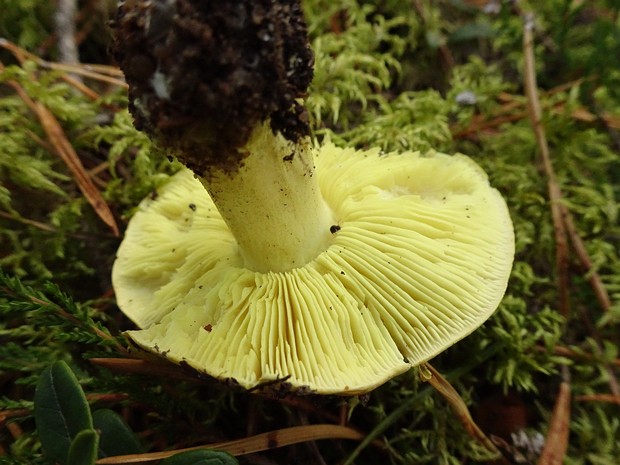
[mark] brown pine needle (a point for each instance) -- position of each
(606, 398)
(453, 398)
(67, 153)
(555, 194)
(595, 279)
(103, 73)
(573, 354)
(556, 442)
(249, 445)
(512, 109)
(9, 414)
(562, 219)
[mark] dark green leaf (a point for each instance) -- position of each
(60, 410)
(201, 457)
(115, 436)
(83, 449)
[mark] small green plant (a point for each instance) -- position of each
(72, 434)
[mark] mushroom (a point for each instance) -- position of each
(275, 259)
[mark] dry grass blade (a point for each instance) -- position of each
(458, 405)
(556, 442)
(257, 443)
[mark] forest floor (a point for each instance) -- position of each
(529, 90)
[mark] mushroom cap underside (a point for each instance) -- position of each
(420, 258)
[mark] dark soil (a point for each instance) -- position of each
(204, 73)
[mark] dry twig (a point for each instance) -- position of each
(595, 279)
(564, 227)
(102, 73)
(562, 219)
(556, 442)
(572, 354)
(555, 194)
(450, 394)
(607, 398)
(257, 443)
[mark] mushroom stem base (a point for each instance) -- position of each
(272, 203)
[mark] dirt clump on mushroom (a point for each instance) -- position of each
(202, 75)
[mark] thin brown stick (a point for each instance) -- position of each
(103, 73)
(572, 354)
(257, 443)
(562, 219)
(93, 70)
(555, 194)
(13, 413)
(460, 408)
(85, 72)
(26, 221)
(556, 442)
(80, 86)
(15, 429)
(606, 398)
(602, 296)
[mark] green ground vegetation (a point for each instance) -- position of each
(443, 75)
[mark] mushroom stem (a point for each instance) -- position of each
(272, 203)
(220, 85)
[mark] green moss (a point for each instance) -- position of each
(382, 79)
(354, 61)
